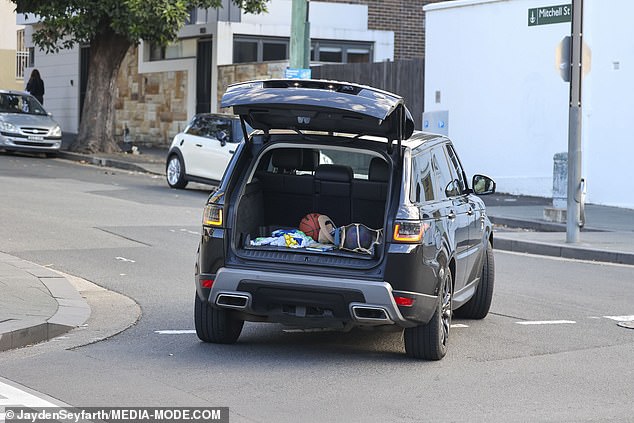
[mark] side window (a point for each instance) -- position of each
(457, 168)
(194, 127)
(423, 183)
(211, 127)
(448, 185)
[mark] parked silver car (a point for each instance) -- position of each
(26, 126)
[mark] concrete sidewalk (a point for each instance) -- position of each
(36, 304)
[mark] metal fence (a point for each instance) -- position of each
(403, 77)
(21, 62)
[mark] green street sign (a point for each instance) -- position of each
(550, 15)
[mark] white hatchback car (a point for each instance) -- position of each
(202, 151)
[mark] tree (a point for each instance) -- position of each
(110, 28)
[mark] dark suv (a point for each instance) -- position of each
(348, 152)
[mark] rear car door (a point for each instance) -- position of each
(458, 211)
(475, 213)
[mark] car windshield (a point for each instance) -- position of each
(20, 103)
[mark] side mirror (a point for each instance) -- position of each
(222, 137)
(482, 185)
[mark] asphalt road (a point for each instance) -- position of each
(547, 352)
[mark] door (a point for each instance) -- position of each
(473, 207)
(203, 76)
(84, 61)
(457, 212)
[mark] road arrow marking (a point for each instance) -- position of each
(125, 259)
(620, 318)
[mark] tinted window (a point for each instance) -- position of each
(423, 181)
(210, 127)
(457, 168)
(447, 184)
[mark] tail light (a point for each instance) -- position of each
(409, 231)
(212, 215)
(403, 301)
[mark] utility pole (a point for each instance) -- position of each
(576, 184)
(300, 36)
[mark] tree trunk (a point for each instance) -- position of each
(97, 129)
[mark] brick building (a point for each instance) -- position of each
(404, 17)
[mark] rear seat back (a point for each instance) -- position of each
(368, 197)
(333, 192)
(287, 196)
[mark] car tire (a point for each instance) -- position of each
(175, 172)
(429, 341)
(215, 325)
(478, 306)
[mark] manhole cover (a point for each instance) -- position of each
(627, 325)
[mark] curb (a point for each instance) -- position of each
(72, 309)
(569, 252)
(104, 162)
(536, 225)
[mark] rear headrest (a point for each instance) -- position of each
(379, 170)
(310, 159)
(287, 158)
(331, 172)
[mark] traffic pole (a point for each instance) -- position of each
(300, 33)
(576, 185)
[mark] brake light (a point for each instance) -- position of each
(212, 215)
(409, 231)
(207, 283)
(404, 301)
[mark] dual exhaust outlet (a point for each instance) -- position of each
(360, 313)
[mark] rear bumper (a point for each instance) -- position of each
(306, 300)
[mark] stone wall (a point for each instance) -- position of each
(229, 74)
(153, 106)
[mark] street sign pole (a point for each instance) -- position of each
(300, 32)
(576, 188)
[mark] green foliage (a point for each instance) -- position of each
(69, 22)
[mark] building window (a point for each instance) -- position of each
(179, 49)
(256, 49)
(253, 49)
(341, 51)
(197, 16)
(21, 56)
(245, 51)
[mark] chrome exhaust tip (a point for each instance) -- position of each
(238, 301)
(370, 314)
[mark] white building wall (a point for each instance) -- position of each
(507, 104)
(608, 102)
(60, 73)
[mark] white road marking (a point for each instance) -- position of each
(547, 322)
(175, 332)
(13, 396)
(125, 259)
(620, 318)
(459, 325)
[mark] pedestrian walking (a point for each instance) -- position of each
(35, 86)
